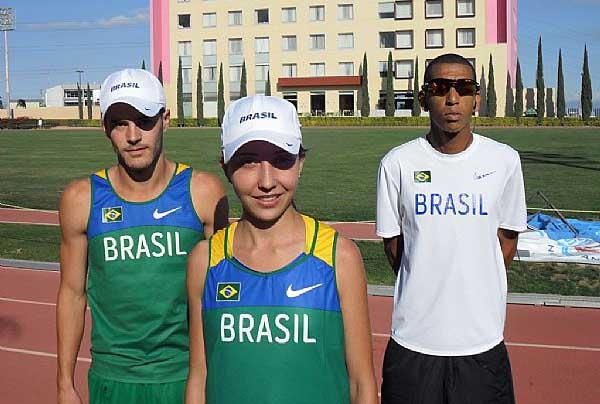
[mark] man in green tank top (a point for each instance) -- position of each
(126, 232)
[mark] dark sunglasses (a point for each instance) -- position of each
(440, 87)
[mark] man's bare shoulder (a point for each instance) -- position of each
(204, 181)
(75, 203)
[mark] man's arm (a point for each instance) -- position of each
(508, 244)
(210, 202)
(394, 248)
(72, 300)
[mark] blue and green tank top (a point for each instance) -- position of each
(274, 337)
(136, 280)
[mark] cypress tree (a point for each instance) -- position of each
(268, 84)
(80, 100)
(509, 109)
(160, 75)
(243, 81)
(89, 101)
(483, 111)
(491, 91)
(365, 108)
(518, 93)
(389, 88)
(540, 86)
(550, 103)
(586, 89)
(561, 110)
(416, 107)
(199, 98)
(143, 64)
(180, 113)
(220, 97)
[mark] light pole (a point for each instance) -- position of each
(7, 23)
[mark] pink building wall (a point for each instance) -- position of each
(159, 38)
(501, 27)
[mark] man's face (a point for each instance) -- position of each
(451, 113)
(136, 138)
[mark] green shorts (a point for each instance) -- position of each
(106, 391)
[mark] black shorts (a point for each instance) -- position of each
(414, 378)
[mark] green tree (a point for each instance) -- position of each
(220, 97)
(243, 81)
(268, 84)
(509, 108)
(550, 103)
(180, 113)
(80, 101)
(89, 102)
(390, 106)
(416, 107)
(143, 64)
(518, 93)
(586, 88)
(561, 110)
(160, 74)
(539, 84)
(483, 104)
(199, 98)
(365, 107)
(491, 91)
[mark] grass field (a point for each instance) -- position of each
(339, 179)
(40, 243)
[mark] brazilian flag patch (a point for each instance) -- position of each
(422, 176)
(112, 215)
(228, 291)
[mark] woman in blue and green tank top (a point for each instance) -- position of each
(278, 304)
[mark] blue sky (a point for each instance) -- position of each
(55, 38)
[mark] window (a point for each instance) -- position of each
(465, 8)
(289, 70)
(386, 10)
(261, 16)
(404, 69)
(235, 17)
(288, 14)
(183, 1)
(465, 37)
(317, 69)
(387, 39)
(346, 41)
(347, 68)
(210, 47)
(404, 10)
(261, 45)
(402, 100)
(434, 8)
(235, 46)
(404, 39)
(317, 41)
(184, 21)
(345, 12)
(209, 20)
(210, 73)
(184, 51)
(289, 43)
(261, 72)
(235, 73)
(291, 97)
(434, 38)
(316, 13)
(383, 68)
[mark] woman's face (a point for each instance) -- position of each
(265, 178)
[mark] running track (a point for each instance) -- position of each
(555, 351)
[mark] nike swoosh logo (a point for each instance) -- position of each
(159, 215)
(478, 177)
(295, 293)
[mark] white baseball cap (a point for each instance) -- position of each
(260, 117)
(136, 87)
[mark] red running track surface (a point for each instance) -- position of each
(555, 352)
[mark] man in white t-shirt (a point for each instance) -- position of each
(450, 206)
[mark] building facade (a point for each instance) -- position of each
(66, 95)
(312, 52)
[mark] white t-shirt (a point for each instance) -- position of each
(450, 296)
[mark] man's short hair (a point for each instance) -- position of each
(448, 58)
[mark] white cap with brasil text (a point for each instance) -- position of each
(136, 87)
(260, 117)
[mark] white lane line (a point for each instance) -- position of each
(31, 223)
(526, 345)
(29, 269)
(38, 353)
(8, 299)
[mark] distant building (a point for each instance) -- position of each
(65, 95)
